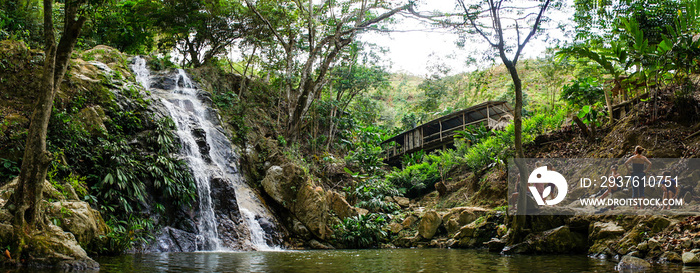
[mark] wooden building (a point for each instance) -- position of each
(439, 133)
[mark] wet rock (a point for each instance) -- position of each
(231, 228)
(429, 224)
(200, 137)
(632, 263)
(174, 240)
(690, 258)
(165, 81)
(495, 245)
(520, 248)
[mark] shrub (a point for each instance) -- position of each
(363, 231)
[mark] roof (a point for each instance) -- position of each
(474, 112)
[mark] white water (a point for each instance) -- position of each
(187, 111)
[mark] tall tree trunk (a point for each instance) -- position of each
(28, 195)
(518, 124)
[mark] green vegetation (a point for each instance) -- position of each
(362, 231)
(306, 91)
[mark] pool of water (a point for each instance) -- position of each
(380, 260)
(366, 260)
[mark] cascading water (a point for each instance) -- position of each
(209, 155)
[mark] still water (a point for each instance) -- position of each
(381, 260)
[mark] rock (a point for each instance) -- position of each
(460, 216)
(672, 256)
(55, 248)
(687, 198)
(292, 188)
(607, 230)
(686, 243)
(632, 263)
(402, 201)
(429, 224)
(409, 221)
(395, 227)
(441, 188)
(361, 211)
(495, 245)
(79, 218)
(690, 258)
(340, 206)
(658, 224)
(557, 240)
(174, 240)
(299, 229)
(653, 244)
(232, 231)
(318, 245)
(643, 246)
(94, 118)
(466, 231)
(520, 248)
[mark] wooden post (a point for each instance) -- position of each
(440, 121)
(464, 122)
(488, 117)
(422, 137)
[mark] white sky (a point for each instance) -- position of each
(416, 45)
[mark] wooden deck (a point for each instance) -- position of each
(439, 133)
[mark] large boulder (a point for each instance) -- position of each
(174, 240)
(56, 248)
(602, 235)
(429, 224)
(79, 218)
(461, 216)
(557, 240)
(632, 263)
(691, 257)
(94, 118)
(292, 188)
(339, 205)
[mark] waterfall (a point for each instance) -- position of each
(209, 154)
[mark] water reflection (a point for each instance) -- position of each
(385, 260)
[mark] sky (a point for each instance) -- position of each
(415, 46)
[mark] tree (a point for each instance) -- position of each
(25, 203)
(308, 39)
(507, 27)
(349, 81)
(200, 29)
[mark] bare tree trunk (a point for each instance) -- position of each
(518, 124)
(27, 198)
